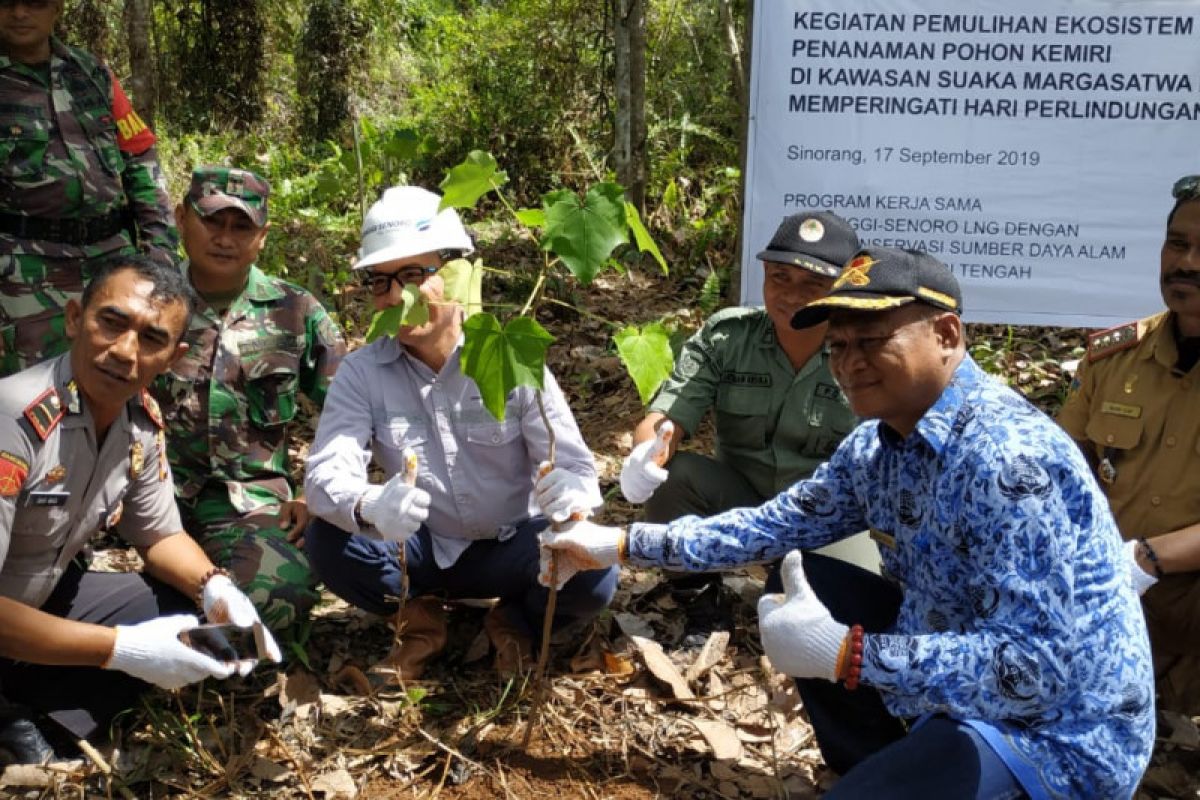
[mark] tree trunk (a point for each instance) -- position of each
(138, 30)
(629, 124)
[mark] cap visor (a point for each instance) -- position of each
(218, 202)
(818, 311)
(811, 263)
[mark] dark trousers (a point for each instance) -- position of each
(859, 739)
(365, 572)
(85, 700)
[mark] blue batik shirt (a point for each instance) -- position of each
(1017, 618)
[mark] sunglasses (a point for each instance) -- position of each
(1186, 188)
(32, 5)
(380, 283)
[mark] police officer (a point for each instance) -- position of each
(777, 409)
(81, 449)
(79, 179)
(1134, 408)
(468, 517)
(254, 343)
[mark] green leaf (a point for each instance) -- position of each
(532, 217)
(471, 180)
(646, 353)
(402, 144)
(412, 310)
(500, 360)
(584, 234)
(642, 236)
(464, 284)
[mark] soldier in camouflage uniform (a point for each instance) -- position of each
(255, 341)
(79, 179)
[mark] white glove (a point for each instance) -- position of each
(562, 494)
(223, 601)
(580, 546)
(798, 633)
(1140, 579)
(152, 652)
(642, 471)
(396, 509)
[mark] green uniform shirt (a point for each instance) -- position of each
(229, 400)
(775, 424)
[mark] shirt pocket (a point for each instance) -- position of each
(492, 433)
(23, 149)
(741, 421)
(271, 397)
(102, 134)
(1110, 430)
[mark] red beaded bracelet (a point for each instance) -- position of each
(853, 672)
(208, 576)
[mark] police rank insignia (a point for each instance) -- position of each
(44, 413)
(1113, 340)
(857, 272)
(56, 474)
(137, 460)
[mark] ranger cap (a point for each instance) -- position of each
(820, 242)
(406, 222)
(215, 188)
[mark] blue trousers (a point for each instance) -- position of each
(876, 754)
(365, 571)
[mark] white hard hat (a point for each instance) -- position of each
(406, 222)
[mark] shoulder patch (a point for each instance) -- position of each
(45, 412)
(1102, 344)
(13, 472)
(152, 409)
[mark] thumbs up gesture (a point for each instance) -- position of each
(798, 634)
(643, 471)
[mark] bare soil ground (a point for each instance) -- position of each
(632, 712)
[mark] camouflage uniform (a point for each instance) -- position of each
(228, 403)
(78, 171)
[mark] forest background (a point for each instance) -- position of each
(333, 101)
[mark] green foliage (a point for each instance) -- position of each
(330, 57)
(585, 233)
(471, 180)
(646, 353)
(499, 359)
(413, 310)
(463, 280)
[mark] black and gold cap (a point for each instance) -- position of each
(880, 278)
(818, 241)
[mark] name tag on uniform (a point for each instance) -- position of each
(45, 499)
(1120, 410)
(885, 539)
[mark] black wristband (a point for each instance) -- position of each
(1152, 557)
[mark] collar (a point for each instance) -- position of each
(936, 427)
(58, 50)
(259, 289)
(1163, 348)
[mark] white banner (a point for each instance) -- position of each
(1029, 144)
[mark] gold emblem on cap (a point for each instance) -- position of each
(137, 460)
(856, 272)
(811, 230)
(56, 474)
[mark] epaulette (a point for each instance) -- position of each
(152, 409)
(44, 413)
(1102, 344)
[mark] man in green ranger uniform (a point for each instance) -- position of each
(79, 179)
(778, 412)
(254, 342)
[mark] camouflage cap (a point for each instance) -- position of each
(215, 188)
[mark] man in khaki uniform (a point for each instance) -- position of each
(81, 450)
(1134, 407)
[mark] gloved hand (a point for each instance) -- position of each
(642, 471)
(152, 652)
(223, 601)
(580, 546)
(798, 633)
(1140, 579)
(562, 494)
(396, 509)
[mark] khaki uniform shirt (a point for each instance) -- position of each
(57, 489)
(775, 424)
(1129, 406)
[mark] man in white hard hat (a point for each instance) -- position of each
(469, 521)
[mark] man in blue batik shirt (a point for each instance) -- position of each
(1003, 653)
